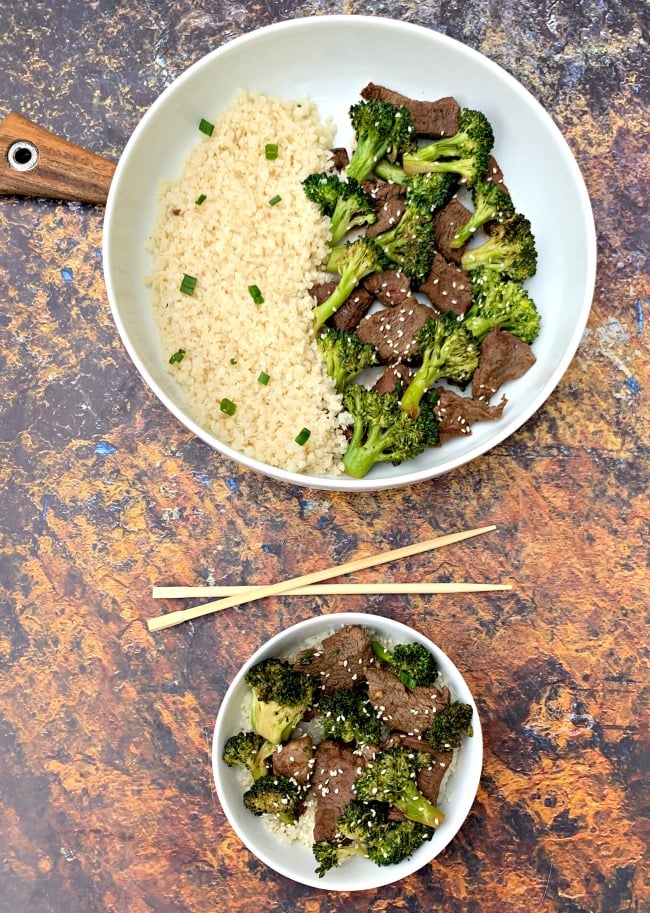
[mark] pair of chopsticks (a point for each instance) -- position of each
(307, 583)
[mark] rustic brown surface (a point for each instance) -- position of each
(106, 797)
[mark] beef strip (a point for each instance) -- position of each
(410, 711)
(336, 767)
(341, 660)
(447, 286)
(457, 413)
(382, 191)
(389, 214)
(294, 759)
(340, 158)
(353, 308)
(428, 779)
(430, 118)
(392, 331)
(391, 286)
(394, 377)
(493, 173)
(503, 357)
(447, 221)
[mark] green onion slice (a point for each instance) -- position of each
(177, 357)
(271, 151)
(255, 294)
(206, 127)
(303, 437)
(275, 200)
(226, 405)
(188, 284)
(200, 200)
(264, 378)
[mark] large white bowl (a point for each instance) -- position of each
(331, 58)
(297, 862)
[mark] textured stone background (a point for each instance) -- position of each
(106, 798)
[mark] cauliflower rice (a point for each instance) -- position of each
(230, 241)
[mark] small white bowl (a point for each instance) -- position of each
(295, 861)
(327, 59)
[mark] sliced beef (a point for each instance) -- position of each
(447, 221)
(352, 310)
(323, 290)
(456, 413)
(430, 118)
(395, 377)
(389, 214)
(410, 711)
(493, 173)
(336, 767)
(382, 191)
(392, 331)
(341, 660)
(429, 778)
(340, 158)
(447, 286)
(294, 760)
(392, 286)
(503, 357)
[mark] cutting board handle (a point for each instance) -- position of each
(36, 163)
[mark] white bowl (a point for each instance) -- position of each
(326, 57)
(297, 862)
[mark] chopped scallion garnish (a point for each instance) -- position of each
(227, 406)
(264, 378)
(275, 200)
(200, 200)
(177, 357)
(303, 437)
(206, 127)
(233, 361)
(255, 294)
(271, 151)
(188, 284)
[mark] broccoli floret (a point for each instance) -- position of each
(274, 795)
(410, 244)
(491, 204)
(390, 777)
(444, 734)
(346, 203)
(504, 303)
(345, 355)
(399, 840)
(353, 261)
(364, 830)
(430, 190)
(465, 153)
(281, 697)
(353, 832)
(413, 664)
(382, 432)
(510, 250)
(248, 749)
(348, 715)
(447, 350)
(382, 131)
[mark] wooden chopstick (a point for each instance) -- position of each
(285, 586)
(330, 589)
